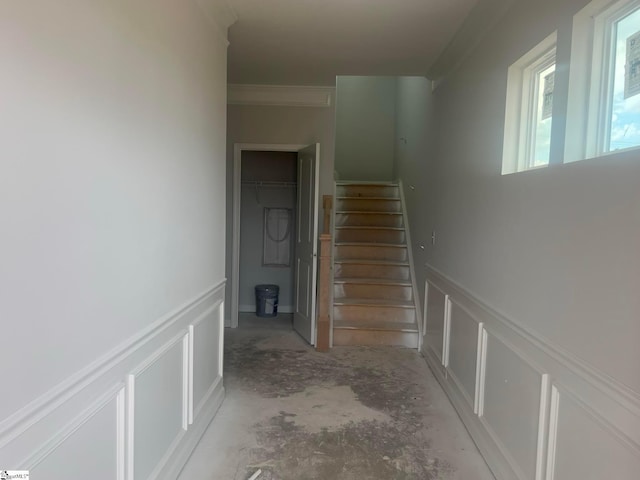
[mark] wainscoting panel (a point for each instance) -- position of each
(157, 391)
(535, 411)
(88, 449)
(463, 351)
(435, 324)
(207, 370)
(511, 406)
(587, 448)
(136, 404)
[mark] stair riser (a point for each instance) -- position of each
(394, 272)
(387, 292)
(368, 220)
(371, 252)
(365, 337)
(373, 313)
(368, 205)
(388, 191)
(366, 235)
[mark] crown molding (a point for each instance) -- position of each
(482, 18)
(280, 95)
(220, 15)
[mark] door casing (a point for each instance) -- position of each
(238, 148)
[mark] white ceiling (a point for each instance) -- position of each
(309, 42)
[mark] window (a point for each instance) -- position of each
(604, 82)
(624, 131)
(528, 115)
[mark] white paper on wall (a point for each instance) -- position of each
(632, 67)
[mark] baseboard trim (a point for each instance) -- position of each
(252, 308)
(412, 270)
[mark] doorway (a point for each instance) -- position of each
(267, 228)
(274, 237)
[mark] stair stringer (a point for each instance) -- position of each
(412, 270)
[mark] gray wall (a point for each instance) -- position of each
(532, 313)
(365, 128)
(553, 249)
(414, 143)
(112, 198)
(278, 125)
(274, 167)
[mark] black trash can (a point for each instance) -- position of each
(267, 300)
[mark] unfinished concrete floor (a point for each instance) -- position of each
(355, 413)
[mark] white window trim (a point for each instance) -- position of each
(520, 111)
(590, 79)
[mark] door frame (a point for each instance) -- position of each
(238, 148)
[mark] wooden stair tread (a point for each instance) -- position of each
(367, 227)
(366, 183)
(370, 244)
(357, 261)
(373, 281)
(373, 292)
(373, 302)
(367, 212)
(391, 199)
(410, 327)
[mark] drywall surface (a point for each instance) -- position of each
(265, 167)
(555, 249)
(414, 145)
(278, 125)
(365, 128)
(112, 189)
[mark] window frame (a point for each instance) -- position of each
(591, 79)
(523, 88)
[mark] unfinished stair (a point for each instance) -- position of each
(373, 302)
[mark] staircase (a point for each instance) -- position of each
(373, 302)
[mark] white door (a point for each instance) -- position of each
(304, 316)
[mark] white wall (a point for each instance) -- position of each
(542, 264)
(279, 125)
(112, 203)
(414, 143)
(270, 167)
(365, 128)
(553, 248)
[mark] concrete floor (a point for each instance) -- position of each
(355, 413)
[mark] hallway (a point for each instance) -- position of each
(355, 413)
